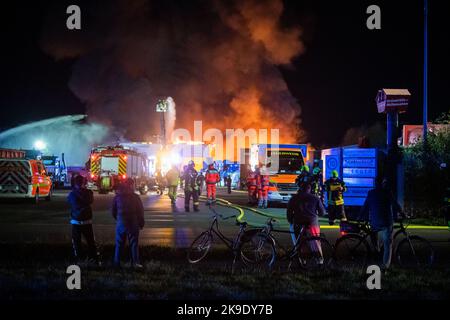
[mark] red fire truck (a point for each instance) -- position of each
(109, 165)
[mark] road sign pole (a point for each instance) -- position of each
(425, 73)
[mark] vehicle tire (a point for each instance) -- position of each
(351, 251)
(143, 191)
(314, 253)
(200, 247)
(416, 252)
(258, 251)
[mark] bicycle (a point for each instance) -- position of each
(352, 248)
(242, 246)
(309, 252)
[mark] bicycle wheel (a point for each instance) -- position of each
(314, 253)
(414, 252)
(258, 252)
(351, 251)
(200, 247)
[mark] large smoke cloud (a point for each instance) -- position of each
(218, 60)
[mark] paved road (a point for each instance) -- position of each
(48, 221)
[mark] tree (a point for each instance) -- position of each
(427, 170)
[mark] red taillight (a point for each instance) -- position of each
(124, 176)
(343, 233)
(92, 176)
(125, 157)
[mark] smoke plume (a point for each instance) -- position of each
(219, 60)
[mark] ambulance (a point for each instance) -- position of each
(283, 162)
(23, 178)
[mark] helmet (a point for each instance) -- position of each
(316, 170)
(191, 163)
(334, 174)
(305, 168)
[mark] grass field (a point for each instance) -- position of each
(39, 272)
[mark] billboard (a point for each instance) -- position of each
(359, 171)
(412, 133)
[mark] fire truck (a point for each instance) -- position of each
(110, 165)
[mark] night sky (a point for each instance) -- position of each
(335, 80)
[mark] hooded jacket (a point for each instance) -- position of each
(80, 200)
(128, 210)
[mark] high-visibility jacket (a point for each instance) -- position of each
(173, 177)
(262, 181)
(335, 188)
(190, 179)
(212, 176)
(251, 179)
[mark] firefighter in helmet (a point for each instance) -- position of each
(212, 177)
(262, 182)
(335, 188)
(173, 179)
(304, 176)
(316, 183)
(251, 187)
(190, 186)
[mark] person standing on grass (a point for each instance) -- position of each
(80, 200)
(128, 211)
(381, 210)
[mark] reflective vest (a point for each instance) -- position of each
(251, 179)
(263, 181)
(190, 179)
(334, 194)
(172, 177)
(212, 176)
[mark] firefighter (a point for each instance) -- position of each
(316, 183)
(200, 182)
(229, 182)
(212, 177)
(190, 186)
(262, 182)
(335, 188)
(304, 176)
(160, 182)
(173, 178)
(251, 187)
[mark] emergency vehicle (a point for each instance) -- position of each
(110, 165)
(283, 163)
(23, 178)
